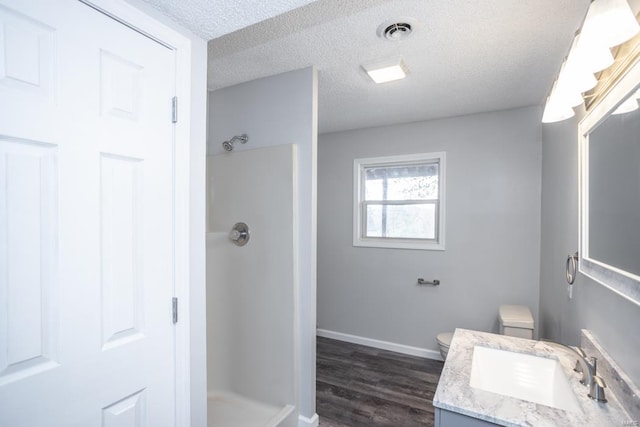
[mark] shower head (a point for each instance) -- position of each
(228, 145)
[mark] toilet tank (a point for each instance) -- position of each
(516, 321)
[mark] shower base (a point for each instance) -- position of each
(229, 409)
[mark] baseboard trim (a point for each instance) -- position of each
(308, 422)
(384, 345)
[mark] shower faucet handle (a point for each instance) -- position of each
(239, 234)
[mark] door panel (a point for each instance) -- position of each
(122, 297)
(27, 65)
(128, 412)
(86, 219)
(28, 256)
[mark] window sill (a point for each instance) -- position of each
(398, 244)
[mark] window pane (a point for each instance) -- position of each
(410, 182)
(373, 189)
(402, 221)
(374, 221)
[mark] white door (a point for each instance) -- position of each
(86, 220)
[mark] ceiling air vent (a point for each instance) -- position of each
(396, 29)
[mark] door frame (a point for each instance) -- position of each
(141, 22)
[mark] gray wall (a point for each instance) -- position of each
(278, 110)
(612, 319)
(492, 231)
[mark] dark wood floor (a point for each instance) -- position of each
(364, 386)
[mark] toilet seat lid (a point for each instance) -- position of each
(445, 338)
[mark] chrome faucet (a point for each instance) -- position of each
(587, 366)
(582, 364)
(597, 385)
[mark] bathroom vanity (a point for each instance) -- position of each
(493, 379)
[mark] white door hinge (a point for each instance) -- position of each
(174, 109)
(174, 304)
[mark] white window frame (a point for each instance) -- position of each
(359, 165)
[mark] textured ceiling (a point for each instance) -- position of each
(212, 18)
(466, 56)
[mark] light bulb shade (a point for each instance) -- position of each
(629, 105)
(585, 80)
(598, 59)
(567, 96)
(556, 112)
(611, 22)
(572, 81)
(590, 54)
(573, 75)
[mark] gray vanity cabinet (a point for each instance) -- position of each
(446, 418)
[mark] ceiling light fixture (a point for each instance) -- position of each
(387, 71)
(608, 23)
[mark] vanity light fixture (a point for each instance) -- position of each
(387, 71)
(608, 23)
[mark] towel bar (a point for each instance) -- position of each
(421, 281)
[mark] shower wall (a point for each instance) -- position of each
(277, 110)
(251, 289)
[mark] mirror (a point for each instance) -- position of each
(610, 189)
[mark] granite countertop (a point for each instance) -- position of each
(455, 394)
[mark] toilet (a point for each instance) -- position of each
(515, 321)
(444, 342)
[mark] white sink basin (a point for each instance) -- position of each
(523, 376)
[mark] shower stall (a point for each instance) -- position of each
(252, 313)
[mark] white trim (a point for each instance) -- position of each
(280, 416)
(384, 345)
(624, 283)
(308, 422)
(359, 240)
(139, 21)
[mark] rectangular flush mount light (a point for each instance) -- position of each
(387, 71)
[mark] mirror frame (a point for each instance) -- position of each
(620, 281)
